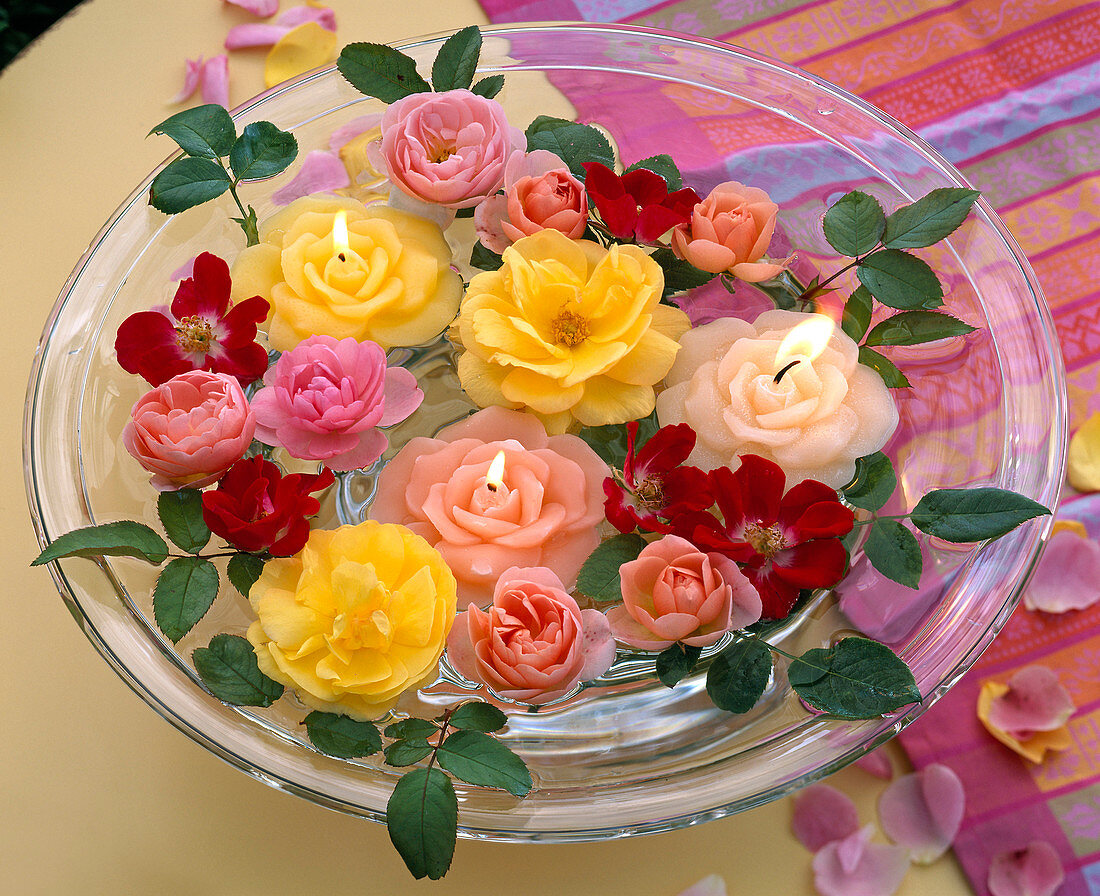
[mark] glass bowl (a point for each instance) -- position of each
(625, 755)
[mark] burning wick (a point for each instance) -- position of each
(779, 375)
(494, 478)
(340, 234)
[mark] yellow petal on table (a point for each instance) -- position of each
(306, 47)
(1084, 456)
(1033, 748)
(1074, 526)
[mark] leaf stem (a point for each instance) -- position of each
(247, 219)
(809, 294)
(874, 518)
(748, 636)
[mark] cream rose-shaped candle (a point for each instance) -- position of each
(814, 420)
(541, 510)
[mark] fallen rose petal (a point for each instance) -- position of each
(348, 132)
(261, 8)
(321, 172)
(1034, 870)
(856, 867)
(215, 81)
(1033, 748)
(711, 885)
(922, 812)
(823, 814)
(304, 48)
(1068, 575)
(876, 763)
(299, 15)
(1083, 462)
(184, 271)
(191, 78)
(254, 34)
(1035, 701)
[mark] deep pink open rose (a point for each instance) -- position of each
(448, 148)
(188, 431)
(674, 592)
(534, 644)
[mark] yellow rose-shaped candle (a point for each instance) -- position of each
(388, 281)
(359, 616)
(814, 420)
(569, 330)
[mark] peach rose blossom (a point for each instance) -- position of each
(544, 513)
(189, 430)
(674, 592)
(448, 148)
(824, 414)
(534, 644)
(730, 231)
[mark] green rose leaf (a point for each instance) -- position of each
(488, 87)
(663, 165)
(930, 218)
(380, 71)
(675, 662)
(205, 131)
(340, 736)
(900, 280)
(893, 550)
(963, 515)
(180, 513)
(738, 675)
(184, 591)
(422, 819)
(229, 670)
(854, 224)
(262, 151)
(599, 577)
(250, 226)
(576, 144)
(873, 484)
(456, 61)
(485, 258)
(476, 758)
(478, 716)
(680, 275)
(884, 367)
(855, 679)
(916, 328)
(610, 441)
(185, 183)
(243, 571)
(411, 729)
(857, 313)
(122, 539)
(407, 752)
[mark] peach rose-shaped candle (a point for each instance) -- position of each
(813, 414)
(675, 592)
(334, 267)
(494, 491)
(534, 644)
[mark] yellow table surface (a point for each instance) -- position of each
(98, 795)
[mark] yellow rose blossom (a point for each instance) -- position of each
(391, 283)
(569, 330)
(359, 616)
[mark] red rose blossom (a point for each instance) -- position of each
(637, 205)
(653, 483)
(256, 508)
(201, 332)
(783, 542)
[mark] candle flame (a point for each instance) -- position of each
(806, 341)
(340, 243)
(494, 479)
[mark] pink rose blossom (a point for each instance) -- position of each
(448, 148)
(189, 430)
(730, 231)
(323, 400)
(674, 592)
(534, 644)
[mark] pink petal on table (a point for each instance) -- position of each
(299, 15)
(1035, 701)
(261, 8)
(1068, 575)
(348, 132)
(1034, 870)
(321, 172)
(215, 80)
(922, 812)
(254, 34)
(711, 885)
(823, 814)
(191, 77)
(856, 867)
(876, 763)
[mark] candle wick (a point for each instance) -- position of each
(779, 375)
(341, 257)
(491, 486)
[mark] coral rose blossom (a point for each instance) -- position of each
(570, 330)
(357, 618)
(324, 399)
(730, 231)
(674, 592)
(448, 148)
(544, 512)
(534, 644)
(188, 431)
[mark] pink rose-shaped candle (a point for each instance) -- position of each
(448, 148)
(534, 644)
(674, 592)
(543, 512)
(189, 430)
(323, 400)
